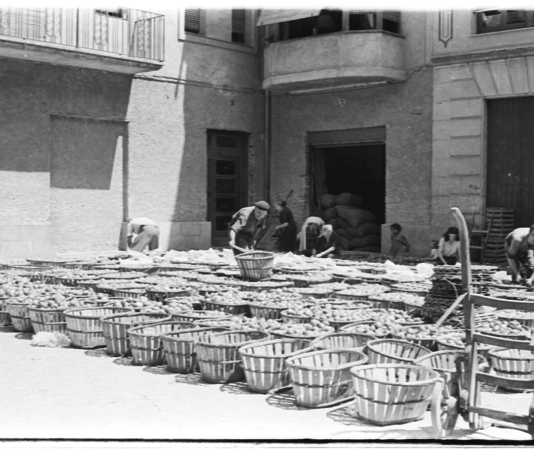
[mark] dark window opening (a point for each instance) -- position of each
(192, 21)
(329, 21)
(118, 13)
(362, 21)
(238, 26)
(501, 20)
(375, 20)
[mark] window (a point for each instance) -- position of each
(118, 13)
(499, 20)
(331, 21)
(388, 20)
(192, 21)
(238, 26)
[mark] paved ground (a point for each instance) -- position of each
(49, 393)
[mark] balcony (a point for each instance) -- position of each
(340, 59)
(126, 41)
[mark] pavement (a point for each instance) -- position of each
(47, 394)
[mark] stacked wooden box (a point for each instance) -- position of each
(500, 222)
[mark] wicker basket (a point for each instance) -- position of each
(265, 365)
(146, 343)
(394, 351)
(161, 296)
(353, 328)
(20, 316)
(47, 320)
(265, 312)
(427, 342)
(512, 363)
(291, 318)
(180, 348)
(342, 341)
(197, 315)
(228, 308)
(444, 362)
(255, 266)
(527, 321)
(218, 355)
(443, 345)
(84, 325)
(322, 378)
(130, 292)
(5, 319)
(388, 394)
(116, 326)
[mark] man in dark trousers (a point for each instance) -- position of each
(245, 225)
(519, 246)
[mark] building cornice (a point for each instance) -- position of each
(483, 56)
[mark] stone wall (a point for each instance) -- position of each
(460, 89)
(405, 109)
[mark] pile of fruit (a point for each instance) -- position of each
(314, 328)
(424, 331)
(180, 305)
(457, 341)
(364, 290)
(138, 304)
(393, 316)
(377, 328)
(501, 327)
(229, 297)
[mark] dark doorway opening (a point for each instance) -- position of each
(358, 169)
(227, 181)
(510, 163)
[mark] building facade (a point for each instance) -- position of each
(186, 116)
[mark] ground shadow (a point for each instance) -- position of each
(236, 388)
(191, 379)
(24, 335)
(158, 370)
(285, 400)
(124, 361)
(97, 353)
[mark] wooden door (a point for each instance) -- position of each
(227, 181)
(510, 160)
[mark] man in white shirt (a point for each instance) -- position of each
(142, 232)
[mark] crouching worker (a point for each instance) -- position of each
(519, 245)
(245, 225)
(142, 232)
(327, 244)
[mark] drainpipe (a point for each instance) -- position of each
(267, 148)
(261, 43)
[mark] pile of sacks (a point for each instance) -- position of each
(354, 226)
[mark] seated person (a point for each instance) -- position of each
(449, 247)
(327, 244)
(308, 235)
(398, 241)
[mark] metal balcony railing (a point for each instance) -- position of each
(125, 32)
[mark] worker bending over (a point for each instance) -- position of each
(142, 232)
(519, 245)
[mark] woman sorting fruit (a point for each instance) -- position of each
(308, 235)
(519, 245)
(287, 229)
(142, 232)
(449, 247)
(327, 244)
(245, 225)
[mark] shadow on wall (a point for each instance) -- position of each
(83, 153)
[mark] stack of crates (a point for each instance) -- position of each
(500, 222)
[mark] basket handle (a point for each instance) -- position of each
(435, 407)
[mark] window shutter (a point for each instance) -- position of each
(238, 21)
(390, 15)
(192, 21)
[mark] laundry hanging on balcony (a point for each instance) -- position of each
(275, 16)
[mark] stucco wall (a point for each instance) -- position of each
(405, 109)
(30, 95)
(65, 189)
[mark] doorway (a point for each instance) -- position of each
(227, 181)
(359, 169)
(510, 163)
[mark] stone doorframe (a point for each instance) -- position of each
(461, 84)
